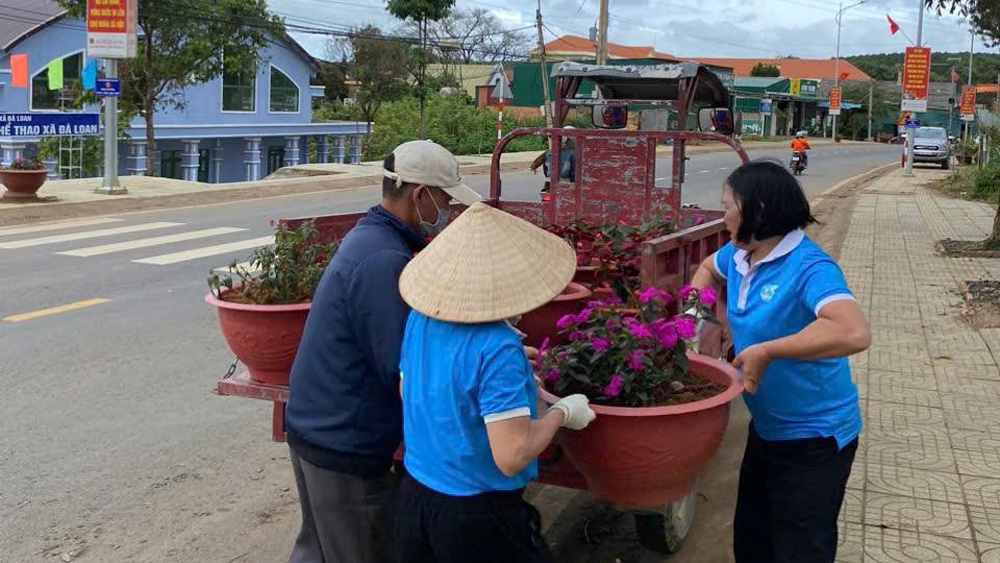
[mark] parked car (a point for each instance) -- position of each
(931, 144)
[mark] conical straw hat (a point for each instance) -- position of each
(487, 266)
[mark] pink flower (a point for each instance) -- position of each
(583, 317)
(611, 324)
(707, 296)
(648, 295)
(686, 292)
(629, 321)
(666, 334)
(640, 331)
(600, 344)
(687, 327)
(611, 301)
(553, 375)
(564, 322)
(564, 355)
(544, 347)
(615, 387)
(577, 335)
(635, 360)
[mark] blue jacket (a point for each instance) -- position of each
(344, 411)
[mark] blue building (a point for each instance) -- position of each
(233, 128)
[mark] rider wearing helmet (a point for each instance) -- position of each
(801, 145)
(567, 162)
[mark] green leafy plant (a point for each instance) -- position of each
(286, 273)
(26, 165)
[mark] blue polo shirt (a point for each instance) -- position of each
(456, 379)
(779, 296)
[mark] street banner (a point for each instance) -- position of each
(111, 28)
(835, 94)
(49, 124)
(795, 87)
(916, 78)
(968, 106)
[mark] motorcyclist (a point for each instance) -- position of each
(801, 145)
(567, 162)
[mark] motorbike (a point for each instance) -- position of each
(798, 163)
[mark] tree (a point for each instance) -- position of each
(422, 13)
(885, 102)
(183, 43)
(761, 69)
(333, 78)
(476, 35)
(380, 65)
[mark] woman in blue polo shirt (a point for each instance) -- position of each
(472, 426)
(794, 323)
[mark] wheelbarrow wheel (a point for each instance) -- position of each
(665, 531)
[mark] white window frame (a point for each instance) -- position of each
(298, 98)
(222, 92)
(31, 83)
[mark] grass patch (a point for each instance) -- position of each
(972, 183)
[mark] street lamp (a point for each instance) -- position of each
(840, 14)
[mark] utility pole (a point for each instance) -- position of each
(972, 45)
(840, 15)
(110, 184)
(871, 100)
(909, 132)
(547, 106)
(602, 35)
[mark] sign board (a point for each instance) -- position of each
(108, 88)
(766, 106)
(968, 106)
(835, 95)
(726, 75)
(502, 91)
(49, 124)
(913, 124)
(916, 78)
(795, 87)
(808, 88)
(752, 127)
(111, 26)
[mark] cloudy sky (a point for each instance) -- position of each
(724, 28)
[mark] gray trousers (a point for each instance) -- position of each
(345, 518)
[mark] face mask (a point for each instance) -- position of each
(432, 229)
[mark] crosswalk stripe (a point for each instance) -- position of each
(56, 226)
(174, 257)
(240, 266)
(147, 242)
(86, 235)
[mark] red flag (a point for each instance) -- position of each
(19, 71)
(893, 26)
(844, 75)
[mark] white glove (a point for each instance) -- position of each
(577, 413)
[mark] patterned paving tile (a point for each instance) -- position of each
(852, 511)
(990, 553)
(895, 387)
(921, 515)
(986, 523)
(891, 359)
(931, 456)
(895, 422)
(850, 543)
(972, 412)
(952, 381)
(981, 491)
(904, 546)
(917, 483)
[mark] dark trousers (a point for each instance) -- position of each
(488, 528)
(789, 500)
(345, 518)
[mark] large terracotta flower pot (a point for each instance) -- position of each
(647, 457)
(22, 185)
(541, 323)
(586, 275)
(264, 337)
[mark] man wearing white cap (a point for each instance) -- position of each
(343, 417)
(470, 405)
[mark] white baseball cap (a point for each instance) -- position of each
(429, 164)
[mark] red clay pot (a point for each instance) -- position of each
(22, 185)
(586, 275)
(647, 457)
(541, 323)
(264, 337)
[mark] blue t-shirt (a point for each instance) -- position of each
(456, 378)
(779, 296)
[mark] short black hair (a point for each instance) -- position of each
(771, 200)
(389, 188)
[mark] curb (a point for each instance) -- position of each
(864, 176)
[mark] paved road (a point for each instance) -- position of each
(113, 447)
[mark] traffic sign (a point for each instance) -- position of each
(766, 106)
(913, 124)
(108, 88)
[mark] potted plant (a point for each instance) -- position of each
(23, 178)
(661, 409)
(263, 315)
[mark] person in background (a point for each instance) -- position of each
(801, 144)
(567, 162)
(794, 322)
(343, 417)
(471, 416)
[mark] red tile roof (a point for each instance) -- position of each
(572, 45)
(792, 68)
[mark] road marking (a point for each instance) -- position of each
(54, 310)
(724, 168)
(248, 266)
(704, 171)
(151, 241)
(86, 235)
(175, 257)
(56, 226)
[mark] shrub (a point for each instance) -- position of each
(26, 164)
(986, 182)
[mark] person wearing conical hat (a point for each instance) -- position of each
(471, 422)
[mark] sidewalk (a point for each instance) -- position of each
(926, 482)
